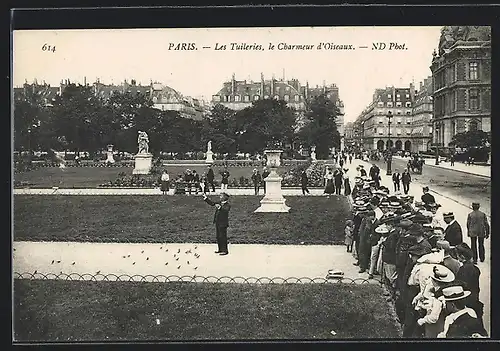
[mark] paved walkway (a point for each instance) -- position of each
(479, 170)
(149, 191)
(460, 207)
(285, 261)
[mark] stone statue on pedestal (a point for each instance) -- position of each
(209, 146)
(143, 142)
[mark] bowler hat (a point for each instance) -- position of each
(453, 293)
(425, 188)
(442, 274)
(405, 223)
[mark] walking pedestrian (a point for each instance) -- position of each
(347, 183)
(350, 158)
(453, 231)
(188, 179)
(396, 180)
(257, 180)
(329, 185)
(452, 160)
(338, 179)
(406, 180)
(304, 180)
(225, 179)
(478, 229)
(265, 173)
(211, 178)
(165, 182)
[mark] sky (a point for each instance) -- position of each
(148, 54)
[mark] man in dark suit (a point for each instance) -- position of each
(210, 178)
(478, 229)
(453, 232)
(221, 221)
(427, 198)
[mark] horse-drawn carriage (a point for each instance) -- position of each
(416, 165)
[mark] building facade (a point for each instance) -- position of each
(421, 133)
(163, 97)
(461, 73)
(239, 94)
(380, 132)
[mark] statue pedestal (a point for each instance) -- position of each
(142, 163)
(313, 156)
(209, 158)
(273, 201)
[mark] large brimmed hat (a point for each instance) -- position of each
(385, 203)
(442, 274)
(453, 293)
(419, 204)
(382, 229)
(405, 223)
(426, 213)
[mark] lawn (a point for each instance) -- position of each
(92, 177)
(175, 219)
(51, 310)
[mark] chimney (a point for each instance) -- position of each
(412, 92)
(85, 81)
(272, 85)
(232, 84)
(261, 85)
(307, 89)
(421, 85)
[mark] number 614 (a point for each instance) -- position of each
(46, 47)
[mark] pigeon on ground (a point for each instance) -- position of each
(35, 272)
(58, 261)
(177, 259)
(166, 250)
(195, 267)
(124, 256)
(188, 262)
(195, 247)
(142, 251)
(166, 263)
(128, 256)
(161, 247)
(179, 250)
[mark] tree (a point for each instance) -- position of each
(219, 126)
(471, 139)
(263, 123)
(320, 127)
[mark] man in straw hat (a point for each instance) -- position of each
(221, 221)
(453, 231)
(461, 321)
(478, 229)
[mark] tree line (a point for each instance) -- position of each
(78, 120)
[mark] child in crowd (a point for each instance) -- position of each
(349, 232)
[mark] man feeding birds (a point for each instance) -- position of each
(221, 221)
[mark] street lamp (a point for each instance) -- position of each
(389, 149)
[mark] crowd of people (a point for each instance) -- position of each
(429, 271)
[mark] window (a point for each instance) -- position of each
(276, 97)
(399, 120)
(398, 131)
(398, 104)
(266, 96)
(408, 112)
(381, 120)
(389, 96)
(430, 129)
(408, 104)
(408, 131)
(287, 97)
(380, 112)
(296, 97)
(380, 131)
(473, 99)
(473, 70)
(277, 90)
(247, 98)
(408, 121)
(287, 88)
(398, 112)
(380, 104)
(407, 96)
(237, 98)
(256, 97)
(226, 98)
(389, 104)
(473, 126)
(215, 98)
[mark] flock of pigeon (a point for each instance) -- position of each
(176, 256)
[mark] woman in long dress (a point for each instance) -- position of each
(347, 184)
(329, 187)
(165, 182)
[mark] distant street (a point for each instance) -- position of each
(465, 188)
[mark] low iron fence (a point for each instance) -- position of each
(188, 278)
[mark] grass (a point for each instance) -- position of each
(51, 310)
(92, 177)
(172, 219)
